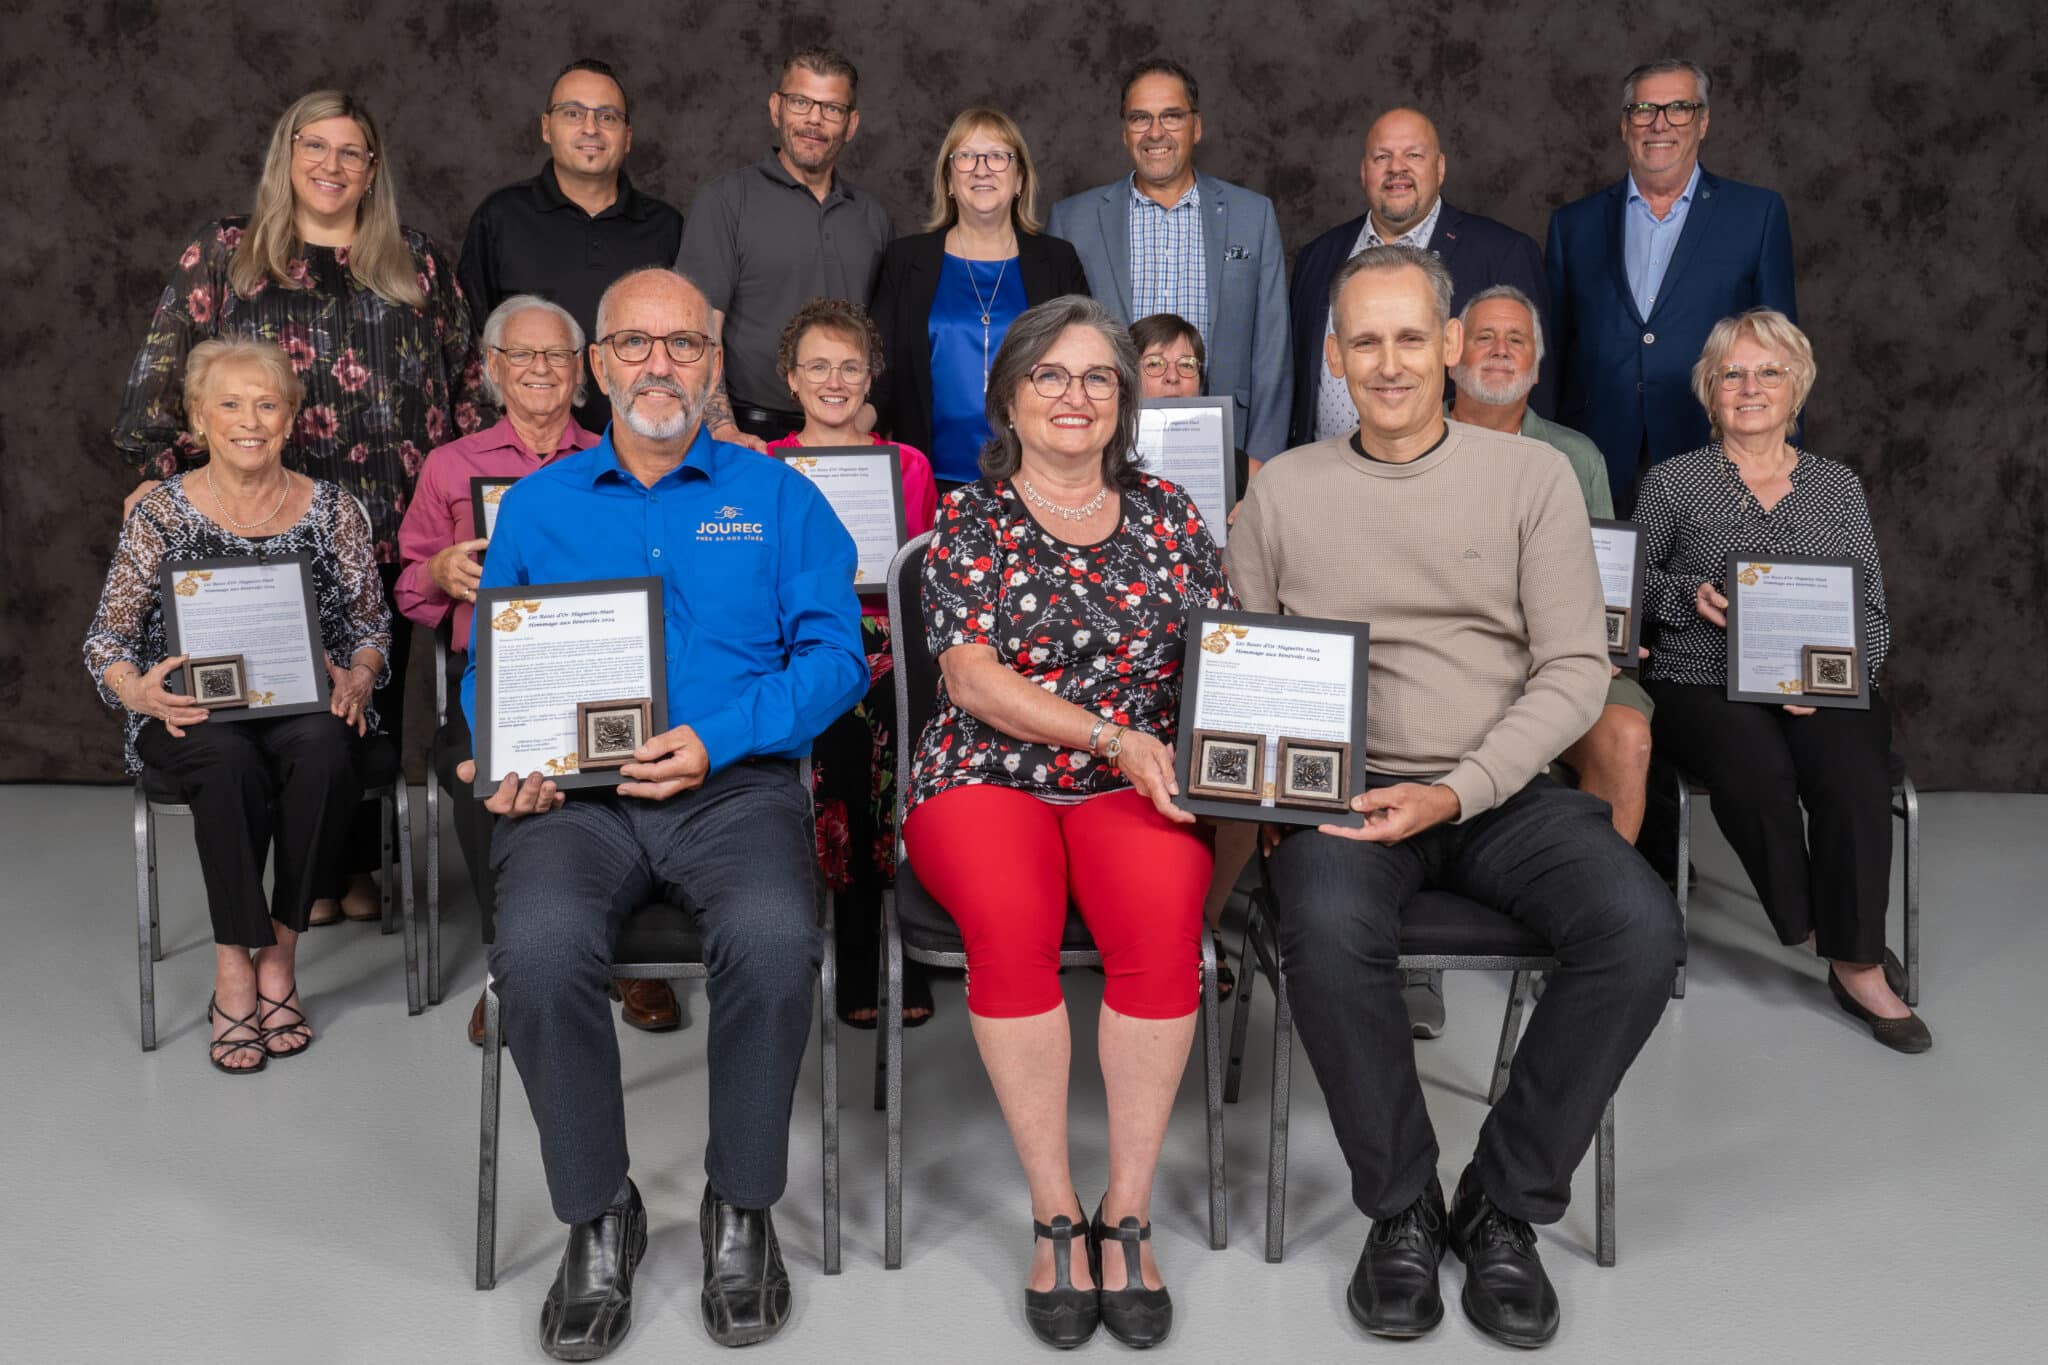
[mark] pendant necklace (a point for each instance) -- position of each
(1081, 513)
(245, 525)
(987, 306)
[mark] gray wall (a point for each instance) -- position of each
(1909, 153)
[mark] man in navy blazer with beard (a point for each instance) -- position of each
(1641, 271)
(1402, 172)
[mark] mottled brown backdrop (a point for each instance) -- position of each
(1906, 141)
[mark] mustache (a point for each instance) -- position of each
(655, 383)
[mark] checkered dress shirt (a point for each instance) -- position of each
(1169, 272)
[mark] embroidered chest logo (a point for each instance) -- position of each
(731, 525)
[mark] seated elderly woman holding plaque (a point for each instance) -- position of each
(830, 356)
(1056, 593)
(1824, 880)
(275, 788)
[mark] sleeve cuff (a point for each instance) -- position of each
(723, 734)
(1473, 788)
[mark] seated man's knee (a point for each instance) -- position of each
(543, 942)
(1326, 911)
(1617, 747)
(772, 944)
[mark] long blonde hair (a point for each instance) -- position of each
(997, 124)
(378, 258)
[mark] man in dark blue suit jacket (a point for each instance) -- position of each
(1402, 172)
(1641, 271)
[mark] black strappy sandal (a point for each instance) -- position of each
(1135, 1315)
(1062, 1316)
(266, 1030)
(218, 1050)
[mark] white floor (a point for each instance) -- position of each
(1789, 1191)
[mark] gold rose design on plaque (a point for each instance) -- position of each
(261, 698)
(1747, 578)
(188, 586)
(1793, 688)
(1219, 639)
(495, 494)
(558, 766)
(804, 463)
(509, 619)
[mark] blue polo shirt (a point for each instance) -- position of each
(761, 625)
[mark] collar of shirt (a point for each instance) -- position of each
(502, 435)
(1635, 194)
(1192, 199)
(772, 167)
(705, 458)
(1418, 235)
(629, 203)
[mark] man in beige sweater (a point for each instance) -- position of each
(1466, 551)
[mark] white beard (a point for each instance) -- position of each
(1469, 381)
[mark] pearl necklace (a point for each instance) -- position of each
(1081, 513)
(246, 525)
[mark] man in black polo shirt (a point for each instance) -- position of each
(570, 231)
(766, 239)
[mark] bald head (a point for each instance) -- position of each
(655, 394)
(656, 287)
(1402, 171)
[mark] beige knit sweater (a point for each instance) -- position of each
(1474, 569)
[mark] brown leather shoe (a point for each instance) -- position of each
(476, 1022)
(649, 1006)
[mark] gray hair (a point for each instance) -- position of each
(1033, 334)
(1665, 66)
(501, 318)
(1512, 295)
(1396, 258)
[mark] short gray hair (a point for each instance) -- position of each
(1665, 66)
(1512, 295)
(501, 318)
(1397, 258)
(1024, 345)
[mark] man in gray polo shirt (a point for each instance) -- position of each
(764, 240)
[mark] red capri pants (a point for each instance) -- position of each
(1003, 864)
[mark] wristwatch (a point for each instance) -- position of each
(1115, 747)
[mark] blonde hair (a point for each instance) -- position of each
(209, 356)
(379, 259)
(1773, 331)
(1023, 209)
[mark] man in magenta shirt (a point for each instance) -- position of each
(533, 366)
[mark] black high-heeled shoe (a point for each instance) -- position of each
(1135, 1315)
(1062, 1316)
(227, 1045)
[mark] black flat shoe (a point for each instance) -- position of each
(1894, 974)
(746, 1288)
(1507, 1295)
(1062, 1316)
(1394, 1290)
(1900, 1035)
(1135, 1315)
(589, 1309)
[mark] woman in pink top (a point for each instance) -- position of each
(829, 356)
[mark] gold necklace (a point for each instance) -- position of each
(246, 525)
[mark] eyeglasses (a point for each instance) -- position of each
(522, 356)
(1172, 120)
(314, 151)
(801, 105)
(1054, 381)
(821, 371)
(1767, 376)
(1155, 365)
(966, 162)
(1677, 113)
(608, 118)
(684, 348)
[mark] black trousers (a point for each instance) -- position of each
(287, 781)
(738, 852)
(1548, 857)
(365, 837)
(450, 746)
(1828, 874)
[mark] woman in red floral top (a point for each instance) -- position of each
(1056, 596)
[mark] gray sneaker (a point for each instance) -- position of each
(1424, 996)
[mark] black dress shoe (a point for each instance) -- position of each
(1062, 1316)
(590, 1308)
(1393, 1292)
(1135, 1315)
(1507, 1295)
(746, 1288)
(1909, 1034)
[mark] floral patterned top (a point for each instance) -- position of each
(1102, 626)
(384, 383)
(129, 625)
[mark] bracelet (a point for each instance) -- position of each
(1114, 750)
(1096, 733)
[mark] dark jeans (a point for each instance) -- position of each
(365, 836)
(288, 781)
(1829, 874)
(738, 852)
(473, 824)
(1549, 858)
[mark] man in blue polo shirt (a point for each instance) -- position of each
(762, 641)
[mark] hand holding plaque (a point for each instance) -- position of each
(1796, 631)
(251, 627)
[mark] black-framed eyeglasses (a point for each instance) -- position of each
(850, 372)
(1172, 120)
(1767, 376)
(684, 348)
(522, 356)
(1155, 366)
(1054, 381)
(801, 105)
(966, 162)
(1677, 113)
(574, 111)
(314, 151)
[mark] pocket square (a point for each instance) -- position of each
(1234, 252)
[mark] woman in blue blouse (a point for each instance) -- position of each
(946, 297)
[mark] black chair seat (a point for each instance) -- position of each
(659, 932)
(1443, 924)
(376, 759)
(927, 928)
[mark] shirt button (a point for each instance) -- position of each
(1649, 338)
(657, 552)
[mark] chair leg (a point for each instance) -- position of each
(387, 891)
(828, 1073)
(1241, 1007)
(487, 1146)
(1276, 1133)
(400, 817)
(1684, 879)
(881, 1052)
(1603, 1236)
(1510, 1034)
(433, 871)
(145, 918)
(892, 1047)
(1212, 1091)
(1910, 812)
(156, 945)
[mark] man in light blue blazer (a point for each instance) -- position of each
(1641, 271)
(1167, 240)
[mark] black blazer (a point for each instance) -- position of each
(1479, 252)
(902, 310)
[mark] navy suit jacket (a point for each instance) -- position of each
(1626, 380)
(1479, 252)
